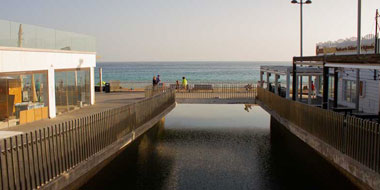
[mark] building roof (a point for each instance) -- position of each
(362, 59)
(283, 70)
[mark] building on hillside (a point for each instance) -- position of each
(43, 72)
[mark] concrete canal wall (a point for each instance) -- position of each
(360, 175)
(75, 178)
(352, 149)
(66, 153)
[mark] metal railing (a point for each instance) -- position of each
(355, 137)
(152, 91)
(216, 91)
(206, 91)
(30, 160)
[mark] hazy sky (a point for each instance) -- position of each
(196, 30)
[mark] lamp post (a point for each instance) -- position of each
(301, 2)
(376, 33)
(359, 40)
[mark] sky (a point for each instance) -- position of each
(197, 30)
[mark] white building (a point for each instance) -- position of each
(369, 79)
(43, 72)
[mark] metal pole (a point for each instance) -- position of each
(376, 34)
(301, 17)
(294, 87)
(301, 90)
(309, 91)
(100, 79)
(325, 95)
(359, 45)
(287, 84)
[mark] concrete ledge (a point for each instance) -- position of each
(359, 174)
(214, 101)
(81, 173)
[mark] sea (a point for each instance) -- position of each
(195, 72)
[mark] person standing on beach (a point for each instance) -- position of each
(177, 85)
(158, 79)
(184, 83)
(154, 81)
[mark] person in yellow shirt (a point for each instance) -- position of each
(184, 83)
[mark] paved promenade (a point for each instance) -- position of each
(103, 101)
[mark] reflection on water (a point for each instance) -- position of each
(218, 147)
(247, 107)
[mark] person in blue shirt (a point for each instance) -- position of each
(158, 79)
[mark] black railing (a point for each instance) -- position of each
(355, 137)
(30, 160)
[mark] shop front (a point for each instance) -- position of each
(23, 97)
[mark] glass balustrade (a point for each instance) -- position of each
(14, 34)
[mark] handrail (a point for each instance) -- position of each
(206, 91)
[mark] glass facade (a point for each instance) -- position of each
(349, 90)
(72, 89)
(331, 87)
(23, 97)
(14, 34)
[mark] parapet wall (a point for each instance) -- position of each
(349, 143)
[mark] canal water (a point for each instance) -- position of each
(218, 147)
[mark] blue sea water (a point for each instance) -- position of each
(229, 72)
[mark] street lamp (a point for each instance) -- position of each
(301, 2)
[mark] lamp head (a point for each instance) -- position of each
(294, 1)
(308, 2)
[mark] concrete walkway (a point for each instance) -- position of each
(103, 101)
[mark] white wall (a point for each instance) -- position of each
(370, 101)
(27, 60)
(13, 61)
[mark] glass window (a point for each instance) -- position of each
(320, 82)
(72, 89)
(331, 87)
(23, 98)
(349, 91)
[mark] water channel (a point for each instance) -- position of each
(218, 147)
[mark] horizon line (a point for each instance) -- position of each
(178, 61)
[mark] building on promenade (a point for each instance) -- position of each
(352, 82)
(43, 72)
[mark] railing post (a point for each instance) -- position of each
(294, 89)
(100, 79)
(325, 87)
(344, 149)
